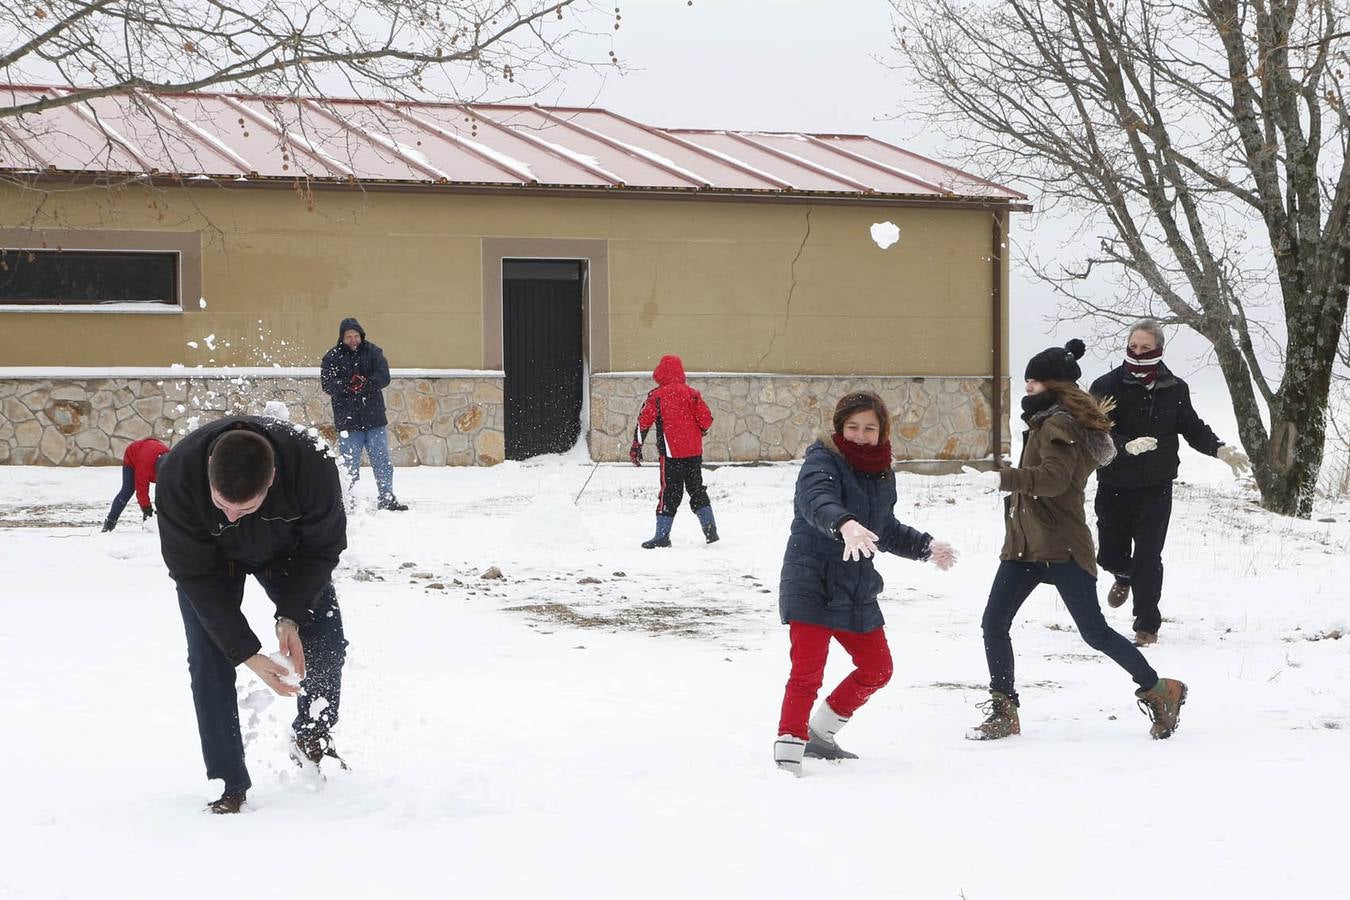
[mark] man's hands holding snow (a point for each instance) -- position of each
(282, 679)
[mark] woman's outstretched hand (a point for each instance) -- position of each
(858, 541)
(943, 555)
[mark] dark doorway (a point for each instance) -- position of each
(542, 354)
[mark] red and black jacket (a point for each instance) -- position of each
(678, 411)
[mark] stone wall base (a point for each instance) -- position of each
(434, 421)
(776, 417)
(458, 419)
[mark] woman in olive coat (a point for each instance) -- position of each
(1046, 540)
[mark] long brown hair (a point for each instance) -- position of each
(1087, 411)
(856, 402)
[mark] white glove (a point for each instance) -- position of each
(858, 541)
(942, 554)
(984, 481)
(1141, 445)
(1236, 459)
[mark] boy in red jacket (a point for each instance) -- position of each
(140, 462)
(681, 419)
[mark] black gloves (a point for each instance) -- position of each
(147, 512)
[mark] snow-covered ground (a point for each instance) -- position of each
(599, 722)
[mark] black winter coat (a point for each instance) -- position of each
(355, 410)
(1163, 412)
(817, 586)
(291, 543)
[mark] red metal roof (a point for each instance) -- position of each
(246, 138)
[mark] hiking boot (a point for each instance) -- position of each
(391, 503)
(824, 725)
(313, 747)
(1001, 721)
(1162, 704)
(1145, 638)
(228, 804)
(787, 753)
(1119, 593)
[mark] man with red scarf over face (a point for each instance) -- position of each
(1134, 493)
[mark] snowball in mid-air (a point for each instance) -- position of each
(885, 234)
(275, 409)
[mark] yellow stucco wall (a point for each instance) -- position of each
(707, 280)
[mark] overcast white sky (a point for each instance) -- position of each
(812, 65)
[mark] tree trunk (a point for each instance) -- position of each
(1286, 469)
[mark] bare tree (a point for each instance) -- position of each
(101, 48)
(1205, 142)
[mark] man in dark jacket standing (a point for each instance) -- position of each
(1134, 493)
(247, 495)
(354, 374)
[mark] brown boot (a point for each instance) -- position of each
(1119, 593)
(1002, 720)
(1145, 638)
(228, 804)
(1162, 703)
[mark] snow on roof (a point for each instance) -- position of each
(239, 137)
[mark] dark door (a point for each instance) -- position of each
(541, 336)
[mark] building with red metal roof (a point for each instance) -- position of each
(526, 261)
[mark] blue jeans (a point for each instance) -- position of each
(375, 442)
(1014, 582)
(125, 494)
(213, 692)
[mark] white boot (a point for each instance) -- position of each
(787, 753)
(825, 723)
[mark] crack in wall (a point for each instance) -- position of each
(792, 289)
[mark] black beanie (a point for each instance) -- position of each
(1057, 363)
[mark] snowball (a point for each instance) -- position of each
(192, 344)
(276, 410)
(210, 341)
(284, 661)
(202, 303)
(885, 234)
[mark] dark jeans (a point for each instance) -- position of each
(1014, 582)
(125, 494)
(676, 476)
(213, 692)
(1131, 530)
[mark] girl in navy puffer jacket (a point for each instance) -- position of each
(845, 512)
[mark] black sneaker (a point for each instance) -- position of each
(655, 542)
(228, 804)
(392, 505)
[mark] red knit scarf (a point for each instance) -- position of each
(1144, 367)
(870, 458)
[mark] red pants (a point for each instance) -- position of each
(810, 647)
